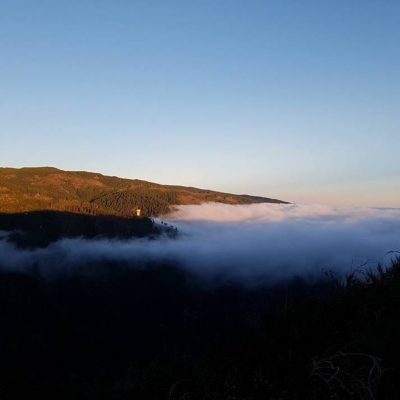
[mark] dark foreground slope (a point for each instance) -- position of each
(30, 189)
(126, 332)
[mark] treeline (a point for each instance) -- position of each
(151, 202)
(122, 203)
(40, 228)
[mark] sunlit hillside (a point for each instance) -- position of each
(30, 189)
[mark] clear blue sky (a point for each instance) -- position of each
(294, 99)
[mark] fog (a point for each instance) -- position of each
(245, 242)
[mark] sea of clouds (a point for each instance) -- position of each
(246, 242)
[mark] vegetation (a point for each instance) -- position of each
(121, 331)
(33, 189)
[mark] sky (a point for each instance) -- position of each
(297, 100)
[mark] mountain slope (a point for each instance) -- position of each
(30, 189)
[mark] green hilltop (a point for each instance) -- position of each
(47, 188)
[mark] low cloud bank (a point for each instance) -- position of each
(246, 242)
(265, 212)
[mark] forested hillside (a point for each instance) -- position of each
(32, 189)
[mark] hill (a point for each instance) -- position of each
(47, 188)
